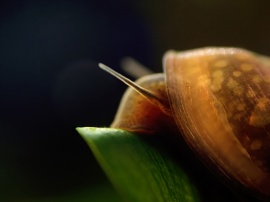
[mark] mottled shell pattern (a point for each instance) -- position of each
(220, 99)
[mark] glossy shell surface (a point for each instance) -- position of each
(220, 99)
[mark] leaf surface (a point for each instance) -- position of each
(136, 168)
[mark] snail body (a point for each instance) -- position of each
(218, 99)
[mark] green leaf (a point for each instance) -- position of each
(137, 168)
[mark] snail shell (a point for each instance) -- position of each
(219, 100)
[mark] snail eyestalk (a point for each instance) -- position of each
(134, 68)
(150, 96)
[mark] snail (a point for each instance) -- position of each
(218, 99)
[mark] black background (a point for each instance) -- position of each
(50, 82)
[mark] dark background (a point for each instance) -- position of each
(50, 82)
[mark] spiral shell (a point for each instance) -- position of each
(218, 99)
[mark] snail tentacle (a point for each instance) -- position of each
(149, 95)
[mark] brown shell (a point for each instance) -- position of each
(220, 99)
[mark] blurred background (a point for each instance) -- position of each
(50, 82)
